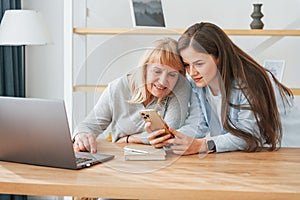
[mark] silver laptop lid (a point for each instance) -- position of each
(35, 131)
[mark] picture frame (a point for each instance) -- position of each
(147, 13)
(276, 67)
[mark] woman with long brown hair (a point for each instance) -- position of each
(243, 106)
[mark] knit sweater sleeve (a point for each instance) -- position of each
(99, 118)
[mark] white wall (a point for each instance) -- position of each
(44, 64)
(111, 56)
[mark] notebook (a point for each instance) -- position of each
(36, 131)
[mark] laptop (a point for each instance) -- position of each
(36, 131)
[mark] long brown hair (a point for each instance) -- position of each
(237, 67)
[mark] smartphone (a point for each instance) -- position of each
(157, 122)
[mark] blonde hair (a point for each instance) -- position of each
(164, 52)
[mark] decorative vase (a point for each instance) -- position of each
(257, 15)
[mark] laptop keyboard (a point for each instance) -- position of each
(82, 160)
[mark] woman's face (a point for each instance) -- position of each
(201, 67)
(160, 79)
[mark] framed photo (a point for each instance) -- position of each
(147, 13)
(276, 67)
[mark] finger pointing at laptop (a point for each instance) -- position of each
(85, 142)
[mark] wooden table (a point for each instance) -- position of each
(236, 175)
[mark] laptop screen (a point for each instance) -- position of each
(35, 131)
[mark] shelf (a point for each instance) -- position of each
(296, 91)
(264, 32)
(89, 88)
(100, 88)
(128, 31)
(176, 31)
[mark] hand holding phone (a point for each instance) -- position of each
(157, 122)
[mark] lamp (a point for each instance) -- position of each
(21, 28)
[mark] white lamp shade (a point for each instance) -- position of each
(23, 27)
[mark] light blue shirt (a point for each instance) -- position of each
(210, 126)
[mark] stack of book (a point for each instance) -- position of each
(144, 152)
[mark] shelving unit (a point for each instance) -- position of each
(170, 31)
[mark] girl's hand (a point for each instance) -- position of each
(186, 145)
(157, 138)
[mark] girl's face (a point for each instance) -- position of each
(201, 67)
(160, 79)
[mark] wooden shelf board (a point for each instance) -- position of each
(128, 31)
(100, 88)
(176, 31)
(89, 88)
(296, 91)
(264, 32)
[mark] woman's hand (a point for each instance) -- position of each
(186, 145)
(85, 142)
(123, 139)
(157, 138)
(135, 138)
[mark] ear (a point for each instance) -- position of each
(216, 60)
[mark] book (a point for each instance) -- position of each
(144, 152)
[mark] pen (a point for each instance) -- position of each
(134, 150)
